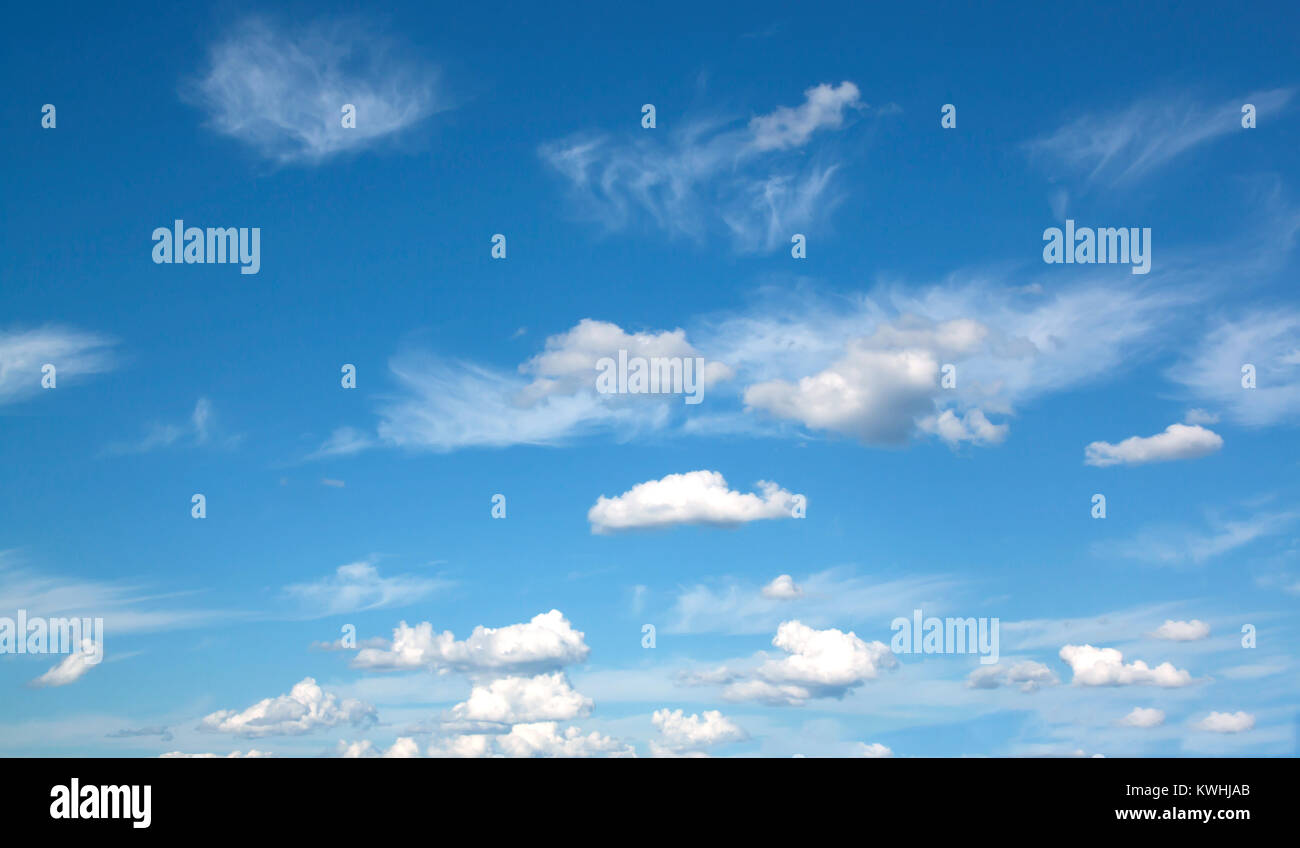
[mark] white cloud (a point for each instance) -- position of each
(71, 668)
(1266, 339)
(874, 751)
(1124, 146)
(1237, 722)
(201, 429)
(233, 755)
(973, 426)
(1106, 667)
(679, 732)
(307, 707)
(881, 385)
(461, 747)
(696, 497)
(544, 739)
(1178, 441)
(73, 353)
(1182, 631)
(517, 700)
(1028, 675)
(546, 642)
(403, 748)
(757, 183)
(1143, 717)
(357, 586)
(782, 588)
(818, 664)
(281, 90)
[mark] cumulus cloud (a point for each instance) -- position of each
(545, 739)
(1143, 717)
(403, 748)
(1178, 441)
(1028, 675)
(1106, 667)
(696, 497)
(73, 353)
(1182, 631)
(358, 586)
(307, 707)
(695, 178)
(233, 755)
(874, 751)
(521, 700)
(881, 386)
(548, 641)
(679, 732)
(1237, 722)
(818, 664)
(782, 588)
(72, 667)
(281, 89)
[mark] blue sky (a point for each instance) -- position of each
(372, 506)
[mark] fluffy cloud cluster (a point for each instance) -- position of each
(679, 733)
(874, 751)
(818, 664)
(696, 497)
(882, 385)
(1028, 675)
(1106, 667)
(1178, 441)
(546, 642)
(307, 707)
(523, 700)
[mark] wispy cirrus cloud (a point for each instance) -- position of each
(756, 182)
(281, 88)
(358, 586)
(73, 353)
(1119, 148)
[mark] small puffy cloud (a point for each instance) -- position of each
(973, 427)
(782, 588)
(696, 497)
(307, 707)
(357, 586)
(1143, 717)
(544, 739)
(884, 386)
(873, 751)
(281, 90)
(1182, 631)
(1178, 441)
(71, 668)
(818, 664)
(253, 753)
(680, 732)
(403, 748)
(461, 747)
(1028, 675)
(1237, 722)
(1106, 667)
(521, 700)
(823, 108)
(548, 641)
(569, 362)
